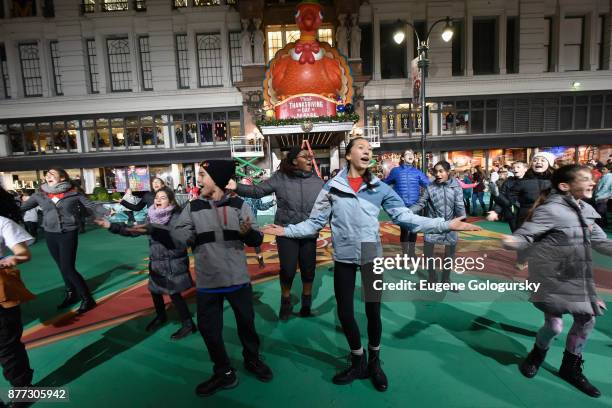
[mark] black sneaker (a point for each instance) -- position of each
(259, 368)
(217, 382)
(156, 323)
(186, 329)
(261, 262)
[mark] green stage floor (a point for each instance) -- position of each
(436, 354)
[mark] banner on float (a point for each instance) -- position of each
(305, 106)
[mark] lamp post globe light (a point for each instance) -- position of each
(423, 48)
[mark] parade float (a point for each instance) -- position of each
(308, 90)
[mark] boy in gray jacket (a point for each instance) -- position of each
(217, 226)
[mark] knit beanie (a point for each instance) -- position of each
(549, 157)
(221, 171)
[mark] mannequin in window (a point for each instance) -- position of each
(355, 37)
(342, 36)
(246, 42)
(258, 43)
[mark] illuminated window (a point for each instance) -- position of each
(279, 36)
(325, 35)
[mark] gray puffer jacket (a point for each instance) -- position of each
(63, 216)
(212, 228)
(168, 259)
(560, 236)
(442, 200)
(295, 196)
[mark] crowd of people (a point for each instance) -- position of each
(547, 206)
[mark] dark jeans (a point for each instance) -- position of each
(293, 250)
(32, 228)
(480, 197)
(466, 203)
(210, 324)
(177, 301)
(601, 207)
(63, 248)
(13, 355)
(344, 289)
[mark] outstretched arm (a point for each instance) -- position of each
(262, 189)
(541, 222)
(401, 215)
(319, 216)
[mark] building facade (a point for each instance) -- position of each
(107, 87)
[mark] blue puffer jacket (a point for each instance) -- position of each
(407, 182)
(354, 218)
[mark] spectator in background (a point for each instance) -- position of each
(467, 190)
(478, 192)
(603, 193)
(493, 178)
(407, 182)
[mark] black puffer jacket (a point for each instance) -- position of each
(526, 192)
(295, 195)
(168, 259)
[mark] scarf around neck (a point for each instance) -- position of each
(59, 188)
(160, 215)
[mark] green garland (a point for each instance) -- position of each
(353, 117)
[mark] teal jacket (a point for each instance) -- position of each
(604, 188)
(354, 218)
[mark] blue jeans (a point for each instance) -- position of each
(479, 197)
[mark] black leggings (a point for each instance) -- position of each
(177, 301)
(293, 250)
(63, 248)
(344, 289)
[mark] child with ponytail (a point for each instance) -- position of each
(559, 234)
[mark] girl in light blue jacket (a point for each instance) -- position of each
(351, 203)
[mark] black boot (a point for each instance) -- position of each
(185, 330)
(306, 303)
(286, 309)
(70, 298)
(217, 382)
(377, 375)
(260, 261)
(156, 323)
(571, 371)
(529, 367)
(358, 369)
(87, 304)
(259, 368)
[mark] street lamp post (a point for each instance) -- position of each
(423, 64)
